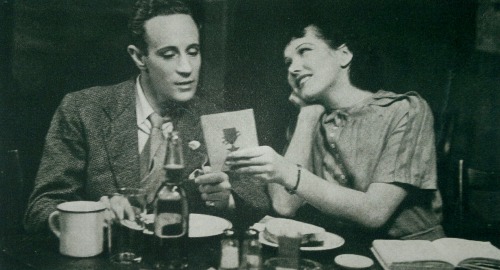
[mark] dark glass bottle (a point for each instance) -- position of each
(251, 251)
(171, 224)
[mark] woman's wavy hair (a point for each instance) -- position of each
(366, 68)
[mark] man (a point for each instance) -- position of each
(97, 135)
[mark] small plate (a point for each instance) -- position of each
(330, 241)
(353, 261)
(201, 225)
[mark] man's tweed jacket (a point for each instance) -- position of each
(91, 150)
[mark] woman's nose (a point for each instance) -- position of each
(294, 68)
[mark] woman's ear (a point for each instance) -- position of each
(137, 56)
(345, 55)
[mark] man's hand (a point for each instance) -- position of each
(118, 207)
(215, 188)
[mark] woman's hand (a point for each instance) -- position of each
(262, 163)
(308, 111)
(296, 100)
(311, 113)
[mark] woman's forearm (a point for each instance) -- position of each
(298, 152)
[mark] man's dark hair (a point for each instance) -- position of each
(147, 9)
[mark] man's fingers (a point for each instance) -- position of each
(108, 214)
(211, 178)
(206, 169)
(207, 188)
(121, 207)
(129, 210)
(219, 196)
(105, 200)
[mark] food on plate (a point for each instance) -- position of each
(310, 234)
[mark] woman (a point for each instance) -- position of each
(361, 161)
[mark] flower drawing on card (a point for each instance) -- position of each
(230, 137)
(227, 132)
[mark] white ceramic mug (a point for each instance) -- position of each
(79, 225)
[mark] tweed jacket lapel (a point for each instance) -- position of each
(121, 136)
(188, 124)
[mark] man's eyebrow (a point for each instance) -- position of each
(194, 45)
(166, 48)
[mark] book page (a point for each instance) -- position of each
(398, 251)
(457, 249)
(226, 132)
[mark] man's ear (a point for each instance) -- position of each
(345, 56)
(137, 56)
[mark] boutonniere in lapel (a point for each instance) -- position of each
(194, 146)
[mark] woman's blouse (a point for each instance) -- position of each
(386, 138)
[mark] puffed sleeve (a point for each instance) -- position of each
(409, 154)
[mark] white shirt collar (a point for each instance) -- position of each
(143, 108)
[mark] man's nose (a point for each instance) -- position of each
(185, 66)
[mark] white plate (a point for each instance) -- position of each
(205, 225)
(330, 241)
(202, 225)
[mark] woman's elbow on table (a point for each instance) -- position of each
(284, 210)
(375, 220)
(379, 204)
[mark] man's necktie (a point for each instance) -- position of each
(153, 155)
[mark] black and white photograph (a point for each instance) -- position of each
(249, 134)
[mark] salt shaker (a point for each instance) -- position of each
(230, 255)
(251, 254)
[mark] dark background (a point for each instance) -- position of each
(52, 47)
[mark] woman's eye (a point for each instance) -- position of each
(302, 51)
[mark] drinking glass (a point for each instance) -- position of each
(127, 235)
(289, 245)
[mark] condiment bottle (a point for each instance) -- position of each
(251, 251)
(229, 255)
(171, 224)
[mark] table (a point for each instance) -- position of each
(41, 252)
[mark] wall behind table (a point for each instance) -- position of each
(60, 47)
(419, 41)
(64, 46)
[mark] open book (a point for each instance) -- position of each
(227, 132)
(444, 253)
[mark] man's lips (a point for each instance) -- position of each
(185, 82)
(186, 85)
